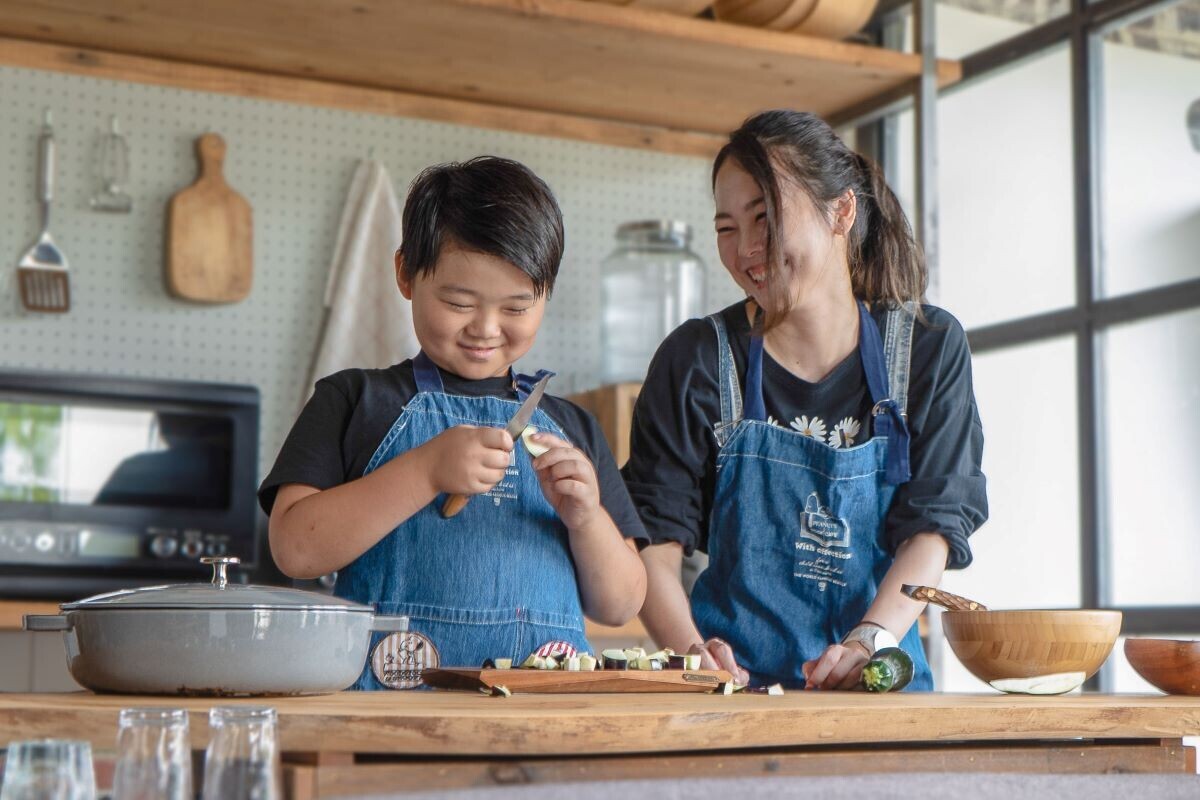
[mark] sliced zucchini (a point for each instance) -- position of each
(889, 670)
(535, 449)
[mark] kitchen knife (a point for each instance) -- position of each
(951, 602)
(457, 502)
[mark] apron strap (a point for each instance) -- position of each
(429, 379)
(897, 350)
(427, 375)
(727, 381)
(886, 415)
(756, 407)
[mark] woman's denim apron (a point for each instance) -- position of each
(795, 538)
(495, 581)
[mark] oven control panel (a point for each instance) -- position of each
(77, 544)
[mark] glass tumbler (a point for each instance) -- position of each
(154, 755)
(242, 761)
(48, 770)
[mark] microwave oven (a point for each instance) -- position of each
(113, 482)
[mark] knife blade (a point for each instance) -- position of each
(517, 423)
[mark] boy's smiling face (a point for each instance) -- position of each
(474, 314)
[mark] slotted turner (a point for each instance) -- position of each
(42, 271)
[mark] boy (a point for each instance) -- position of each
(359, 483)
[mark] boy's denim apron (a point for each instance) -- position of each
(795, 535)
(495, 581)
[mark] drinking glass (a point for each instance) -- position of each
(242, 761)
(48, 770)
(154, 756)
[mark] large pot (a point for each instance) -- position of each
(216, 639)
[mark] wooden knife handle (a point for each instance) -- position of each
(946, 600)
(454, 504)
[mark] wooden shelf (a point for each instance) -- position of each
(587, 70)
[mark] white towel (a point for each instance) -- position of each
(368, 322)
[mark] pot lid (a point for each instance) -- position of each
(219, 594)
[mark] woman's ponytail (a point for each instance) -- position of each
(886, 263)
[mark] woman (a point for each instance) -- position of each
(819, 440)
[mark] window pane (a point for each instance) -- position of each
(1151, 385)
(1150, 158)
(1005, 193)
(965, 26)
(1027, 403)
(1027, 555)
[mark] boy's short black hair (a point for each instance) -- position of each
(488, 205)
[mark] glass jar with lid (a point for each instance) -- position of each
(651, 283)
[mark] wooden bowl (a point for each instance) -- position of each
(835, 19)
(1171, 665)
(995, 645)
(756, 13)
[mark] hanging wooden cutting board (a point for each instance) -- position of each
(210, 256)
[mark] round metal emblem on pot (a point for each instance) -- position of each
(217, 638)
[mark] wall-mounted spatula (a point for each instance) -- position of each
(950, 602)
(42, 271)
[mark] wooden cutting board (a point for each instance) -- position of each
(209, 234)
(555, 681)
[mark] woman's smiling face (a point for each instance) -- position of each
(808, 246)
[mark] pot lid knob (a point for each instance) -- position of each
(219, 565)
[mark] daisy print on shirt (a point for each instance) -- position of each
(844, 433)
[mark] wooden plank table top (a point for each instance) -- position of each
(466, 724)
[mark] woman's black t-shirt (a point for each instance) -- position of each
(351, 411)
(670, 473)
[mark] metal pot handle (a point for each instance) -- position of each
(389, 624)
(46, 622)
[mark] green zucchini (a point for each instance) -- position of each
(889, 670)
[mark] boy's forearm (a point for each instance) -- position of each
(920, 561)
(327, 530)
(667, 614)
(612, 580)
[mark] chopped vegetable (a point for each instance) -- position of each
(535, 448)
(889, 670)
(615, 659)
(571, 664)
(587, 662)
(531, 662)
(503, 663)
(1058, 683)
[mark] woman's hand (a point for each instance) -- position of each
(568, 481)
(716, 654)
(839, 667)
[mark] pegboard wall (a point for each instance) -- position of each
(294, 164)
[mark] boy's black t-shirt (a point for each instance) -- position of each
(670, 473)
(350, 412)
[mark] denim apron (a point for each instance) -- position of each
(495, 581)
(795, 534)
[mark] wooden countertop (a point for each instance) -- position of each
(11, 612)
(454, 723)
